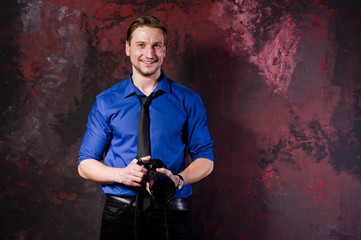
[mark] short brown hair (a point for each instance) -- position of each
(146, 21)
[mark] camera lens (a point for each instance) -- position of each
(162, 188)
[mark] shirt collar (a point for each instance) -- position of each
(163, 85)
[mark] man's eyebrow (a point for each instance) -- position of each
(159, 42)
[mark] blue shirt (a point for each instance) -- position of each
(177, 120)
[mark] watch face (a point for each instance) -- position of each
(181, 182)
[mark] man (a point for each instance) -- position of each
(177, 122)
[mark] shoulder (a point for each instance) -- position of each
(110, 98)
(114, 95)
(188, 98)
(114, 91)
(182, 91)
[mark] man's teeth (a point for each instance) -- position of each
(148, 62)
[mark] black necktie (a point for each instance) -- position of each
(143, 145)
(143, 141)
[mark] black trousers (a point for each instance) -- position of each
(123, 221)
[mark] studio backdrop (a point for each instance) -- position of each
(281, 83)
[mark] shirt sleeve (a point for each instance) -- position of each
(200, 144)
(97, 136)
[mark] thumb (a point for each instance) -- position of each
(135, 160)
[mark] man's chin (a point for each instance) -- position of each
(148, 73)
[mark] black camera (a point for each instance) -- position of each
(160, 185)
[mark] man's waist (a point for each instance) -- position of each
(120, 190)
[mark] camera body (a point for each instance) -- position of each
(161, 186)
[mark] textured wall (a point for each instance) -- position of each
(280, 81)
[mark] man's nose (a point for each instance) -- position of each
(149, 52)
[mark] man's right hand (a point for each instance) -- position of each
(134, 175)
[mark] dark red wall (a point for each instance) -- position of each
(280, 81)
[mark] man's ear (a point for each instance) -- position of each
(127, 48)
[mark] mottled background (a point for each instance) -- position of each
(280, 81)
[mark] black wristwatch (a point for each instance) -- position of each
(181, 182)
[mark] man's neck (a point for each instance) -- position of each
(144, 83)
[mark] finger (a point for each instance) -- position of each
(141, 170)
(164, 171)
(139, 173)
(136, 181)
(135, 184)
(146, 158)
(134, 163)
(136, 167)
(147, 188)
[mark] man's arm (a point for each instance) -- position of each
(96, 171)
(196, 171)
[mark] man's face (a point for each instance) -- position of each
(146, 51)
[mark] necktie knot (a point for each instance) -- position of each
(145, 101)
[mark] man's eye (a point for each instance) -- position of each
(140, 45)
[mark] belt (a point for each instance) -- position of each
(177, 204)
(122, 199)
(173, 204)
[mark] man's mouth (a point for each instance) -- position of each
(149, 62)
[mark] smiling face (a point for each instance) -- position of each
(146, 50)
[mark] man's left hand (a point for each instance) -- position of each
(168, 173)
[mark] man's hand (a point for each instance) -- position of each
(133, 175)
(168, 173)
